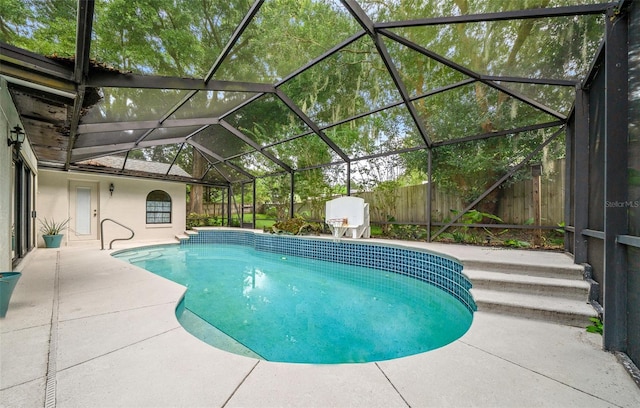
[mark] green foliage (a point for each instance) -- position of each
(316, 186)
(555, 242)
(460, 237)
(461, 234)
(376, 230)
(261, 224)
(297, 226)
(184, 38)
(202, 220)
(46, 27)
(385, 207)
(475, 217)
(165, 37)
(555, 237)
(468, 169)
(271, 211)
(408, 232)
(274, 192)
(634, 177)
(464, 234)
(446, 236)
(516, 243)
(596, 326)
(13, 14)
(52, 227)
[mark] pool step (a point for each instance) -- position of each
(198, 327)
(553, 292)
(562, 271)
(186, 235)
(142, 255)
(548, 308)
(572, 289)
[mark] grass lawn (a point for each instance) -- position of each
(376, 230)
(262, 220)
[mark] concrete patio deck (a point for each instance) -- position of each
(87, 330)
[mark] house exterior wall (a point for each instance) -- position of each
(8, 119)
(5, 187)
(127, 205)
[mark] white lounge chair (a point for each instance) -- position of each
(348, 214)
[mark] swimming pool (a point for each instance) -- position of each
(309, 300)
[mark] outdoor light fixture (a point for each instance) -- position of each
(111, 188)
(16, 137)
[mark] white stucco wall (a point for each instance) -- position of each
(8, 119)
(127, 205)
(5, 193)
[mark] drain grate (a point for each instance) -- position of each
(50, 390)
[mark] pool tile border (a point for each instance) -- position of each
(438, 270)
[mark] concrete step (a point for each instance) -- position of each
(546, 270)
(548, 308)
(186, 235)
(527, 284)
(549, 289)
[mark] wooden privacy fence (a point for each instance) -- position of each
(409, 204)
(516, 205)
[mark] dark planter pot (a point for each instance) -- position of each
(7, 283)
(52, 241)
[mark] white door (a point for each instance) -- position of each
(84, 211)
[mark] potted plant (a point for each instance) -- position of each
(51, 232)
(8, 281)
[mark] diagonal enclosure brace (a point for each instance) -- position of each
(501, 180)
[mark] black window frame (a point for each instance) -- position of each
(159, 200)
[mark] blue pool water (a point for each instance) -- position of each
(295, 309)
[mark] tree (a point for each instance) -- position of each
(492, 48)
(165, 37)
(184, 38)
(14, 14)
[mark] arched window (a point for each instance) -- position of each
(158, 207)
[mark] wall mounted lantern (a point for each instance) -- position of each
(16, 137)
(111, 188)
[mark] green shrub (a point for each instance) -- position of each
(596, 327)
(297, 226)
(201, 220)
